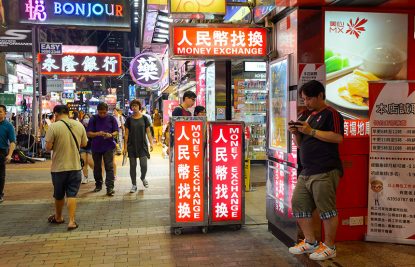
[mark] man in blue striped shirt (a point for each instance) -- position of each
(7, 146)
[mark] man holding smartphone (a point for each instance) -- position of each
(317, 134)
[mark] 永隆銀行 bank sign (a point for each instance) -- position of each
(111, 14)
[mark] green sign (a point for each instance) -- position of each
(8, 99)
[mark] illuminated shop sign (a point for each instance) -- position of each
(226, 173)
(84, 13)
(146, 69)
(218, 41)
(197, 6)
(189, 171)
(92, 64)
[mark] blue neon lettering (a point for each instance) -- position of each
(87, 9)
(94, 9)
(80, 9)
(58, 8)
(112, 8)
(71, 8)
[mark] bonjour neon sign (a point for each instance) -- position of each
(37, 9)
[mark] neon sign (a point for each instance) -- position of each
(146, 69)
(85, 13)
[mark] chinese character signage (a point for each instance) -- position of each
(308, 72)
(197, 6)
(226, 172)
(391, 198)
(356, 128)
(189, 182)
(93, 64)
(106, 14)
(218, 41)
(146, 69)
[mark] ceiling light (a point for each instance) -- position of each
(165, 19)
(161, 30)
(162, 24)
(159, 40)
(160, 35)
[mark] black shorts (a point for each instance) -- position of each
(66, 183)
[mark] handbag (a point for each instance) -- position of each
(76, 143)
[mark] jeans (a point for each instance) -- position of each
(108, 157)
(133, 169)
(3, 154)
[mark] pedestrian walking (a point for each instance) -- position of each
(7, 146)
(65, 137)
(157, 126)
(317, 133)
(199, 111)
(137, 127)
(103, 128)
(86, 152)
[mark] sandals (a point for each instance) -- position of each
(73, 227)
(52, 219)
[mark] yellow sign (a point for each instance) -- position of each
(157, 2)
(198, 6)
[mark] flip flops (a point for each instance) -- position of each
(73, 227)
(52, 219)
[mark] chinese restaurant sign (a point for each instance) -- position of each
(226, 163)
(391, 195)
(92, 64)
(218, 41)
(189, 171)
(111, 14)
(197, 6)
(146, 69)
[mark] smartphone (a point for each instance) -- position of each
(295, 123)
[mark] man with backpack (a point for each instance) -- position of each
(103, 129)
(7, 136)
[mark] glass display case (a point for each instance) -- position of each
(250, 97)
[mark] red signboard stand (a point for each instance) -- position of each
(226, 186)
(187, 174)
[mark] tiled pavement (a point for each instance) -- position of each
(133, 230)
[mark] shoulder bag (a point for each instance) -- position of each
(76, 143)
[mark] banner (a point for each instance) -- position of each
(226, 172)
(16, 40)
(308, 72)
(168, 107)
(391, 195)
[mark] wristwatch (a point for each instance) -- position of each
(313, 132)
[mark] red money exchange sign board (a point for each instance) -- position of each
(226, 172)
(189, 204)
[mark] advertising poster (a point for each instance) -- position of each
(168, 107)
(391, 195)
(197, 6)
(200, 83)
(189, 172)
(362, 47)
(227, 168)
(308, 72)
(278, 104)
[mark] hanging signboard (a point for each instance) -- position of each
(55, 85)
(16, 40)
(197, 6)
(107, 14)
(391, 197)
(146, 69)
(168, 107)
(226, 173)
(188, 185)
(7, 99)
(218, 41)
(92, 64)
(51, 48)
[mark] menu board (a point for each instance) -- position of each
(278, 104)
(391, 209)
(362, 47)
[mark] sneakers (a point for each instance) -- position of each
(303, 247)
(145, 183)
(1, 199)
(84, 180)
(110, 192)
(133, 189)
(97, 189)
(323, 252)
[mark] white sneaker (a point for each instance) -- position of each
(133, 189)
(145, 183)
(303, 247)
(84, 180)
(323, 252)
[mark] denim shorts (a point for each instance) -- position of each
(66, 183)
(83, 150)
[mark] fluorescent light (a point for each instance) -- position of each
(160, 35)
(159, 40)
(161, 30)
(165, 19)
(162, 24)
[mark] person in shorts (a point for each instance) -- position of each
(86, 153)
(66, 165)
(157, 126)
(317, 134)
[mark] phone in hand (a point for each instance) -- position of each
(295, 123)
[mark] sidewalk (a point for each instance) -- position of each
(134, 229)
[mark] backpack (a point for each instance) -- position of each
(19, 157)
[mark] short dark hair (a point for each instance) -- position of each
(189, 94)
(102, 106)
(51, 116)
(135, 102)
(61, 109)
(198, 109)
(3, 107)
(312, 89)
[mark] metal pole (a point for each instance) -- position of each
(34, 64)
